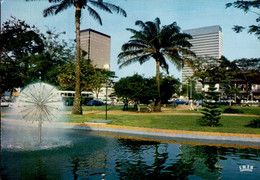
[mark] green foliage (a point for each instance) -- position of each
(91, 77)
(248, 6)
(169, 86)
(232, 110)
(189, 90)
(136, 88)
(254, 123)
(144, 90)
(211, 109)
(30, 56)
(156, 42)
(248, 71)
(17, 40)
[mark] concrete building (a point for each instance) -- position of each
(207, 42)
(97, 45)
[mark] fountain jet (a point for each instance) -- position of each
(40, 102)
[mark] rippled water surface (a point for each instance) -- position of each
(91, 155)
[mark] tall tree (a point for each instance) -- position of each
(249, 71)
(157, 42)
(211, 109)
(201, 67)
(29, 56)
(248, 6)
(17, 40)
(61, 5)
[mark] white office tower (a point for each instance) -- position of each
(207, 42)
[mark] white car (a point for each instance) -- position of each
(4, 103)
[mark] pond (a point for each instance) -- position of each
(78, 154)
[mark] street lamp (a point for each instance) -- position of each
(106, 67)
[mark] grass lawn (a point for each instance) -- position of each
(245, 110)
(231, 124)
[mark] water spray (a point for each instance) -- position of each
(40, 102)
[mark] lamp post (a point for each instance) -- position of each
(106, 67)
(191, 88)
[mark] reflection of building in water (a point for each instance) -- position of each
(206, 42)
(97, 45)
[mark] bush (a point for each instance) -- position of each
(232, 110)
(211, 109)
(254, 123)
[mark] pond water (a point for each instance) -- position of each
(96, 155)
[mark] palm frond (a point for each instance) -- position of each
(164, 65)
(143, 26)
(174, 57)
(64, 5)
(100, 5)
(133, 46)
(141, 59)
(130, 53)
(115, 8)
(54, 1)
(94, 14)
(157, 23)
(137, 34)
(50, 10)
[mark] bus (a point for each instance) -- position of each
(68, 97)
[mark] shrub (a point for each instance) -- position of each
(254, 123)
(232, 110)
(211, 109)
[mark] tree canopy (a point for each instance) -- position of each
(144, 90)
(90, 5)
(252, 6)
(29, 56)
(157, 42)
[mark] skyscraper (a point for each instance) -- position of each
(207, 41)
(97, 45)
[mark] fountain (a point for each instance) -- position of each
(39, 102)
(100, 155)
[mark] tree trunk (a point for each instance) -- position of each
(77, 109)
(157, 106)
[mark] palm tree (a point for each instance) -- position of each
(79, 5)
(159, 43)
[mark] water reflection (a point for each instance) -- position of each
(93, 156)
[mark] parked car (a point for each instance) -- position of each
(95, 103)
(4, 103)
(180, 101)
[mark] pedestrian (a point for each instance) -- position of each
(197, 105)
(173, 105)
(191, 105)
(149, 108)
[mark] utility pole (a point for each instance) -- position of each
(190, 88)
(106, 67)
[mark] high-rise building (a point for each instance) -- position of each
(97, 45)
(207, 42)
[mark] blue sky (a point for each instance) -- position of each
(187, 13)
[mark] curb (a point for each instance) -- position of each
(164, 132)
(234, 138)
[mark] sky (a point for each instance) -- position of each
(188, 14)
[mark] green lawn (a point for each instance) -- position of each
(245, 110)
(231, 124)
